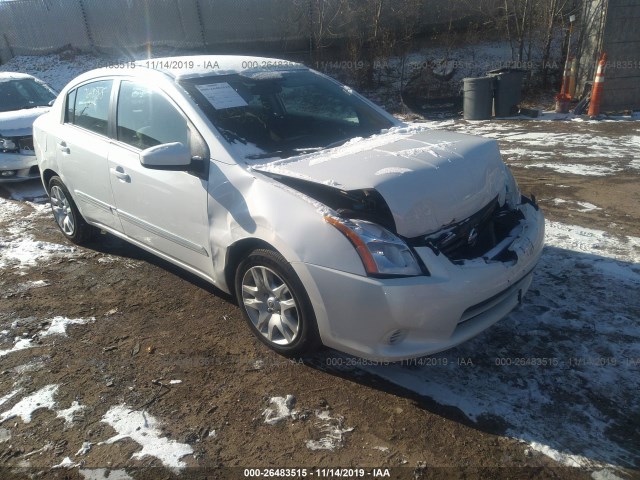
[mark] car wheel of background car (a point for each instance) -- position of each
(275, 304)
(66, 213)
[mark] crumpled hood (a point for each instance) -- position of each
(429, 178)
(19, 123)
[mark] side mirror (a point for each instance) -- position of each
(168, 156)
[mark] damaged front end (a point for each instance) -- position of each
(361, 204)
(486, 235)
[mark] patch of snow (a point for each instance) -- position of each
(104, 474)
(175, 382)
(280, 408)
(144, 429)
(5, 435)
(59, 325)
(69, 413)
(332, 430)
(9, 210)
(393, 171)
(25, 251)
(84, 449)
(66, 463)
(606, 474)
(382, 449)
(332, 183)
(25, 408)
(566, 459)
(577, 169)
(584, 206)
(20, 344)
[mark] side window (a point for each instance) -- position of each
(91, 110)
(69, 116)
(146, 118)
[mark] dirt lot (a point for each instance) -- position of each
(165, 361)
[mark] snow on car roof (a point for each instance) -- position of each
(6, 76)
(207, 65)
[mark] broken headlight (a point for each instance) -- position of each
(8, 145)
(382, 253)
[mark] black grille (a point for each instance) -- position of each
(25, 143)
(474, 236)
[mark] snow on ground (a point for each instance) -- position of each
(331, 430)
(58, 326)
(55, 69)
(561, 372)
(591, 151)
(19, 249)
(104, 474)
(328, 432)
(144, 429)
(25, 408)
(280, 408)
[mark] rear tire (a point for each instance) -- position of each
(275, 304)
(67, 215)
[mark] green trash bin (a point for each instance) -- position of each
(508, 90)
(478, 98)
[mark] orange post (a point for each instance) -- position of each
(598, 88)
(564, 90)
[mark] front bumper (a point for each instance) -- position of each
(402, 318)
(20, 166)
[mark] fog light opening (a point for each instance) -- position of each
(8, 173)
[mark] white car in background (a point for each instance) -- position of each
(23, 98)
(328, 219)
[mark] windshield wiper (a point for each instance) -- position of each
(231, 136)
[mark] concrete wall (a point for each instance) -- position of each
(613, 28)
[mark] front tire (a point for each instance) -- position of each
(66, 214)
(275, 304)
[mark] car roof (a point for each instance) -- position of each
(192, 66)
(6, 76)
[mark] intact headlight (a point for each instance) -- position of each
(381, 252)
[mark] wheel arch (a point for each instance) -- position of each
(236, 253)
(47, 175)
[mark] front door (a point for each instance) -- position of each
(164, 210)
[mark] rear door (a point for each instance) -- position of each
(163, 209)
(82, 146)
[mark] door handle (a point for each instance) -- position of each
(120, 174)
(63, 147)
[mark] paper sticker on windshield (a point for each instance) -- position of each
(221, 96)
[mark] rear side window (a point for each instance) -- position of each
(90, 106)
(146, 118)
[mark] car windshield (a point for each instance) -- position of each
(20, 93)
(282, 114)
